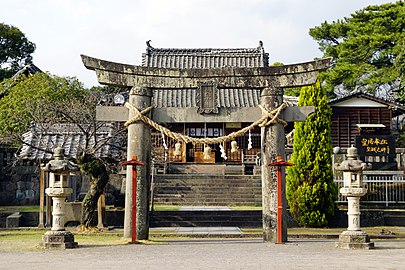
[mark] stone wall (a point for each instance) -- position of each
(19, 185)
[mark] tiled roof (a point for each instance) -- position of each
(205, 58)
(185, 98)
(67, 136)
(397, 108)
(29, 69)
(182, 98)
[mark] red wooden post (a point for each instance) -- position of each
(133, 162)
(280, 163)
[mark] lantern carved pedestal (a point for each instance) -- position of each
(58, 190)
(353, 189)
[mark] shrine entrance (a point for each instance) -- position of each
(197, 91)
(247, 151)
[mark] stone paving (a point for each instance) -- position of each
(212, 254)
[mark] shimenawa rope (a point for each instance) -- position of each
(267, 119)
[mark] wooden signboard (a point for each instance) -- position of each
(375, 145)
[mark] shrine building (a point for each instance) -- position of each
(208, 111)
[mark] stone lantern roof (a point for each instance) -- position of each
(353, 163)
(59, 163)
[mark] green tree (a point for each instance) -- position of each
(364, 48)
(400, 65)
(311, 192)
(15, 50)
(45, 99)
(33, 99)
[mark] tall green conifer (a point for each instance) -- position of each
(311, 192)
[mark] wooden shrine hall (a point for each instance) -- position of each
(208, 110)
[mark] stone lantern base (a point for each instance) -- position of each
(59, 240)
(354, 240)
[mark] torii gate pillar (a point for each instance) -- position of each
(273, 141)
(271, 79)
(139, 145)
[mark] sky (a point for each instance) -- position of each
(117, 30)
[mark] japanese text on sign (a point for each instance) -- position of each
(375, 145)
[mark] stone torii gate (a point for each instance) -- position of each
(141, 80)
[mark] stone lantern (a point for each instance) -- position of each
(353, 188)
(59, 169)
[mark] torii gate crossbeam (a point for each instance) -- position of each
(272, 81)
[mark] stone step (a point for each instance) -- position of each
(229, 182)
(197, 168)
(3, 218)
(208, 183)
(207, 189)
(208, 193)
(209, 196)
(226, 200)
(211, 218)
(218, 202)
(211, 175)
(173, 190)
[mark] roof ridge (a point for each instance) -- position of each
(259, 48)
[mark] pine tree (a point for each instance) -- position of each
(311, 192)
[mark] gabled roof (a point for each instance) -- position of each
(397, 109)
(205, 57)
(67, 136)
(29, 69)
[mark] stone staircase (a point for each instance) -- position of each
(207, 189)
(245, 219)
(197, 168)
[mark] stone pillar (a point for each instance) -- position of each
(272, 145)
(139, 145)
(58, 210)
(353, 213)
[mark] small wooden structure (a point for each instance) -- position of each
(365, 121)
(360, 108)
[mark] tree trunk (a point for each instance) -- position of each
(97, 171)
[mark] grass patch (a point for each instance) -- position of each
(245, 208)
(154, 231)
(160, 207)
(30, 239)
(19, 208)
(100, 240)
(315, 231)
(20, 240)
(252, 230)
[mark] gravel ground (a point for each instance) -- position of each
(212, 254)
